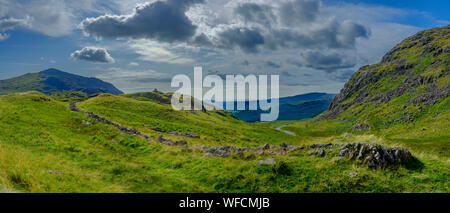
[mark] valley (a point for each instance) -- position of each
(387, 131)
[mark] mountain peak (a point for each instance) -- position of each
(51, 71)
(411, 79)
(53, 80)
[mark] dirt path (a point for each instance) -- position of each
(287, 132)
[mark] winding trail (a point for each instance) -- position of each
(285, 131)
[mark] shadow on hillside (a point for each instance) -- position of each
(415, 165)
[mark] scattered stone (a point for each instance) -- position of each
(375, 156)
(321, 153)
(285, 145)
(54, 172)
(175, 133)
(266, 162)
(86, 122)
(353, 174)
(361, 127)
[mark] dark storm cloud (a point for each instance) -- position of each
(247, 40)
(160, 20)
(93, 54)
(256, 13)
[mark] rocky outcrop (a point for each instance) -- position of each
(417, 65)
(376, 156)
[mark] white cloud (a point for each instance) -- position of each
(93, 54)
(51, 17)
(155, 52)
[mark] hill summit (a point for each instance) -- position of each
(53, 81)
(410, 84)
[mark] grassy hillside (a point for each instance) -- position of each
(46, 148)
(406, 93)
(215, 127)
(404, 98)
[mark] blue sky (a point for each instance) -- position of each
(315, 46)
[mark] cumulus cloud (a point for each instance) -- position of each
(249, 26)
(256, 13)
(93, 54)
(160, 20)
(11, 23)
(246, 39)
(299, 11)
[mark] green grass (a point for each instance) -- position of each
(214, 127)
(46, 148)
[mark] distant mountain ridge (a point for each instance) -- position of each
(53, 81)
(291, 108)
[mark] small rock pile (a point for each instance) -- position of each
(225, 151)
(375, 156)
(169, 142)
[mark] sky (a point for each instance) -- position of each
(315, 46)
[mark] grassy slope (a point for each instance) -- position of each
(39, 134)
(214, 128)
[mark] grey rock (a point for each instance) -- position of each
(353, 174)
(266, 162)
(321, 153)
(285, 145)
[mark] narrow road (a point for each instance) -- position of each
(287, 132)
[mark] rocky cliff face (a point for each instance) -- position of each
(413, 75)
